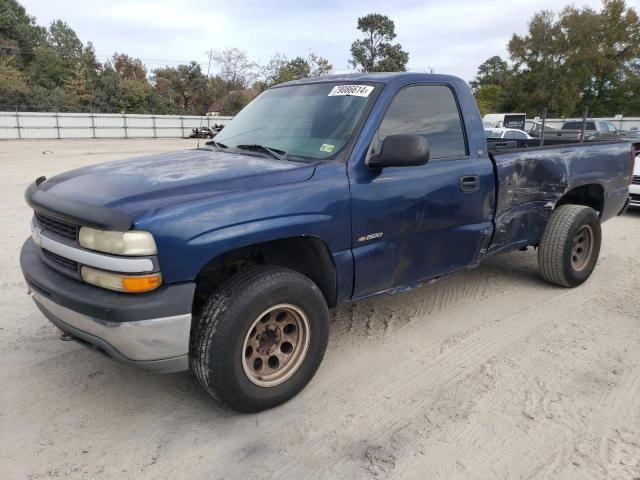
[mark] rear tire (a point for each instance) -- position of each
(260, 338)
(570, 245)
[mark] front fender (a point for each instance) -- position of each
(191, 235)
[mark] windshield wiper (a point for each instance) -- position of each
(272, 152)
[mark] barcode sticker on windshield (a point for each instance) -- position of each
(357, 90)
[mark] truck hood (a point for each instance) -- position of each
(139, 185)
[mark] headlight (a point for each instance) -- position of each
(133, 242)
(121, 283)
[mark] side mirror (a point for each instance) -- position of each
(401, 150)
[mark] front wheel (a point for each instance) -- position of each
(570, 245)
(260, 338)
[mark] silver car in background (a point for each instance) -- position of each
(634, 188)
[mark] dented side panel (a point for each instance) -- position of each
(530, 182)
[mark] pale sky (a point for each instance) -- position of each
(452, 36)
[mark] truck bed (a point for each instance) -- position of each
(529, 182)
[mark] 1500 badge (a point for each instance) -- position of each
(371, 236)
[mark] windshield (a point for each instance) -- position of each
(314, 121)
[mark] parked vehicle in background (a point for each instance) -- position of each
(594, 130)
(634, 188)
(505, 120)
(201, 132)
(534, 128)
(507, 134)
(206, 132)
(226, 259)
(631, 135)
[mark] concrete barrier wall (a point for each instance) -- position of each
(25, 125)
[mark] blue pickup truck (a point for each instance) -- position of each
(225, 259)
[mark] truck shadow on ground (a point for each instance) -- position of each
(369, 320)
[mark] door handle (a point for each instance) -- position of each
(469, 183)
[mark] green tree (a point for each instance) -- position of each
(19, 34)
(602, 49)
(62, 70)
(310, 67)
(129, 68)
(490, 83)
(490, 98)
(539, 60)
(235, 68)
(375, 52)
(318, 66)
(493, 71)
(13, 85)
(269, 72)
(183, 88)
(293, 70)
(576, 59)
(58, 59)
(279, 69)
(625, 97)
(107, 90)
(123, 86)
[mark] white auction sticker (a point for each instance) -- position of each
(357, 90)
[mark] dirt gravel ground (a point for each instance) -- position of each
(491, 374)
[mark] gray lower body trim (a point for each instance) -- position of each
(160, 344)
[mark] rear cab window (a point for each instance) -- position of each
(430, 111)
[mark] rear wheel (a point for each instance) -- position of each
(260, 338)
(570, 245)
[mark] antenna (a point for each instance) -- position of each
(210, 54)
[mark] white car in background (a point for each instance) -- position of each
(506, 134)
(634, 188)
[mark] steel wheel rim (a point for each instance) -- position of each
(582, 248)
(275, 346)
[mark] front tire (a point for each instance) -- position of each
(570, 245)
(260, 338)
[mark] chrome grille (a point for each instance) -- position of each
(635, 180)
(58, 227)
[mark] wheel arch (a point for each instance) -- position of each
(589, 195)
(308, 255)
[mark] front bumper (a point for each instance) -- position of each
(147, 330)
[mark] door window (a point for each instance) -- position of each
(430, 111)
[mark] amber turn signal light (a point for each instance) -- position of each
(120, 282)
(141, 284)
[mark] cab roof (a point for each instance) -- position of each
(379, 77)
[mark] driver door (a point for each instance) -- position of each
(419, 222)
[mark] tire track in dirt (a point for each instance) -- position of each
(442, 371)
(539, 403)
